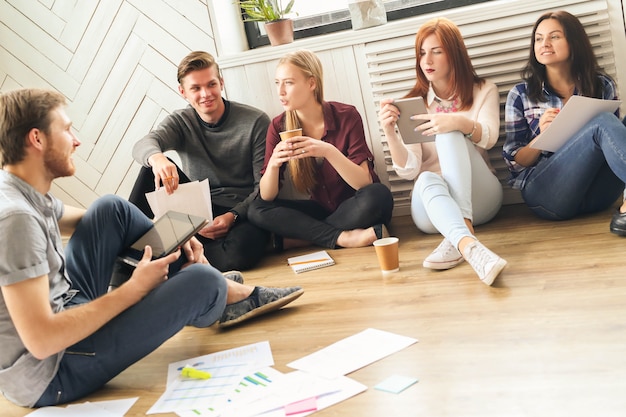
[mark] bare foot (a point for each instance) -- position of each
(237, 292)
(356, 238)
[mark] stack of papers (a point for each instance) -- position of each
(189, 198)
(243, 383)
(576, 113)
(318, 382)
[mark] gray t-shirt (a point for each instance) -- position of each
(229, 154)
(31, 247)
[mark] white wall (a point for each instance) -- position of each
(363, 66)
(115, 61)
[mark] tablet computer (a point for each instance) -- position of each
(408, 107)
(169, 232)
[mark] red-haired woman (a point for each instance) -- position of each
(455, 187)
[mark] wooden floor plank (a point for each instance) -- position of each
(549, 338)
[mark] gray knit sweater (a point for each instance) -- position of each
(229, 155)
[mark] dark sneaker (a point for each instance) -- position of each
(618, 224)
(261, 301)
(234, 276)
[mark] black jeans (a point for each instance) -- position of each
(307, 220)
(242, 248)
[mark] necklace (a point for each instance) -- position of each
(447, 106)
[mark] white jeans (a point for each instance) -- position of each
(466, 189)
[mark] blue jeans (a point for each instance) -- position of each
(466, 189)
(585, 176)
(193, 296)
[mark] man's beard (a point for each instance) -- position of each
(58, 164)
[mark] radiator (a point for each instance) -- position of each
(497, 39)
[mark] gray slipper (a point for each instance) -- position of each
(234, 276)
(261, 301)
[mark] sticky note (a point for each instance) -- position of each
(310, 404)
(396, 383)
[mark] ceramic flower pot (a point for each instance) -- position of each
(279, 32)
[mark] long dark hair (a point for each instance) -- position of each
(462, 74)
(584, 64)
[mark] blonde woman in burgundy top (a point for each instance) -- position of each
(455, 187)
(337, 199)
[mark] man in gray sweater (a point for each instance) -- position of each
(217, 139)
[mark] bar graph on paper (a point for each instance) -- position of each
(255, 356)
(249, 389)
(185, 394)
(228, 369)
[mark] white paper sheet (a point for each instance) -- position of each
(190, 198)
(352, 353)
(292, 387)
(576, 113)
(227, 368)
(251, 388)
(274, 396)
(349, 388)
(255, 356)
(113, 408)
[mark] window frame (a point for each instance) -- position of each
(257, 39)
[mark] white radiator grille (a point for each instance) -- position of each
(498, 43)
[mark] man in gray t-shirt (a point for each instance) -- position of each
(217, 139)
(63, 335)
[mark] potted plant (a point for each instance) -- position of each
(278, 27)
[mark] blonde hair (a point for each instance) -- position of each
(303, 170)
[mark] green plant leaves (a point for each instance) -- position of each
(265, 10)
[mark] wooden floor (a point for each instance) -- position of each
(548, 339)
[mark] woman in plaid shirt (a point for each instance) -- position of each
(587, 174)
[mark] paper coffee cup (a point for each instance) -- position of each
(387, 253)
(290, 133)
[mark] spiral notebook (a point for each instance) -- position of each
(310, 261)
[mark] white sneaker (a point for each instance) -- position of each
(486, 263)
(446, 256)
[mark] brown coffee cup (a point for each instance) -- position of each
(387, 253)
(290, 133)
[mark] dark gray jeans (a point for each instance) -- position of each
(193, 296)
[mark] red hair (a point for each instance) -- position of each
(462, 73)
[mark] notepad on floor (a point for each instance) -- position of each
(310, 261)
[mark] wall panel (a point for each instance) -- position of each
(106, 57)
(380, 62)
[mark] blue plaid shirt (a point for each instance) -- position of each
(521, 123)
